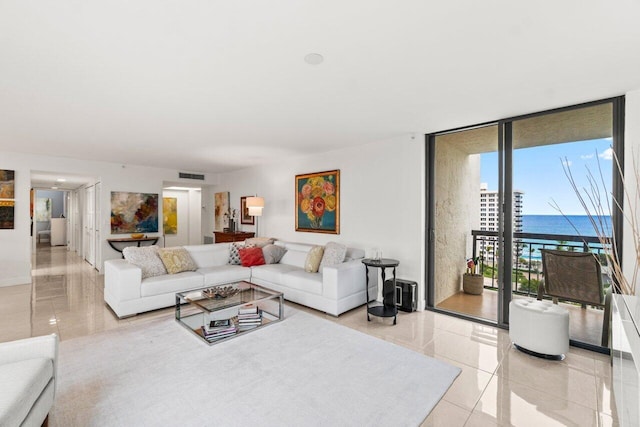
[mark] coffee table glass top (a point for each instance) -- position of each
(233, 303)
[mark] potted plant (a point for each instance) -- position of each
(472, 281)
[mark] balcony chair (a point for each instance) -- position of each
(576, 277)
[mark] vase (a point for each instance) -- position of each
(473, 284)
(232, 226)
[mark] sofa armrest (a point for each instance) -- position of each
(345, 279)
(122, 279)
(45, 346)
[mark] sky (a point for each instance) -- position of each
(539, 173)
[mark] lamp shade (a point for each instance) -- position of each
(255, 205)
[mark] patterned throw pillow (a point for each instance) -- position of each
(259, 242)
(314, 256)
(334, 254)
(273, 254)
(145, 257)
(234, 256)
(177, 260)
(251, 256)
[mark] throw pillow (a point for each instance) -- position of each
(273, 254)
(234, 256)
(334, 253)
(145, 257)
(314, 256)
(259, 242)
(177, 260)
(251, 256)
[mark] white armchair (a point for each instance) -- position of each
(28, 370)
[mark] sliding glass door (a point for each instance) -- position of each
(500, 193)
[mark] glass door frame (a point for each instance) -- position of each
(505, 166)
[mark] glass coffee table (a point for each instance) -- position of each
(218, 313)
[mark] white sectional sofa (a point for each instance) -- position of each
(334, 289)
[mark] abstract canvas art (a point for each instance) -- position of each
(7, 214)
(221, 208)
(318, 202)
(170, 215)
(7, 184)
(7, 199)
(134, 212)
(43, 209)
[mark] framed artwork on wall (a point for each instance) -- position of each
(318, 202)
(134, 212)
(7, 199)
(170, 215)
(245, 218)
(221, 208)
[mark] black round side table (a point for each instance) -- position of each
(384, 310)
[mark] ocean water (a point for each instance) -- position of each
(558, 224)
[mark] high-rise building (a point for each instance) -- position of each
(490, 208)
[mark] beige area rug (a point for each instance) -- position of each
(303, 371)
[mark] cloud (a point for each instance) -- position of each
(607, 154)
(567, 163)
(586, 156)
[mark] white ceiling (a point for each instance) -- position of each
(43, 179)
(209, 86)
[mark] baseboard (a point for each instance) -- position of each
(12, 281)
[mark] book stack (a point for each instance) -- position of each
(249, 317)
(219, 329)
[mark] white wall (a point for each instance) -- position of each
(632, 157)
(381, 199)
(15, 257)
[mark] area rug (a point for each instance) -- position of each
(303, 371)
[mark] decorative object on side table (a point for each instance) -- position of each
(472, 282)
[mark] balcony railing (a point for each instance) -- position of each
(527, 258)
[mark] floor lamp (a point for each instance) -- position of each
(255, 205)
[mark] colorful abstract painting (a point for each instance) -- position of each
(170, 215)
(43, 209)
(7, 214)
(7, 199)
(221, 208)
(134, 212)
(318, 202)
(7, 184)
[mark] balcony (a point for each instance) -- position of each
(585, 321)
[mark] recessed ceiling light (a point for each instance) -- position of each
(314, 59)
(54, 188)
(60, 180)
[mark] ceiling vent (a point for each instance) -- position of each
(186, 175)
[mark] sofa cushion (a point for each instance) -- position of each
(234, 255)
(314, 256)
(272, 273)
(224, 274)
(273, 254)
(259, 242)
(251, 256)
(301, 280)
(177, 260)
(296, 254)
(334, 254)
(22, 384)
(171, 283)
(209, 255)
(145, 257)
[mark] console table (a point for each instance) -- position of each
(236, 236)
(119, 244)
(383, 310)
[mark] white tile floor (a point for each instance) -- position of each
(498, 386)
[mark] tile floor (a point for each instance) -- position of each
(498, 386)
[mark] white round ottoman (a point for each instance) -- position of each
(539, 327)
